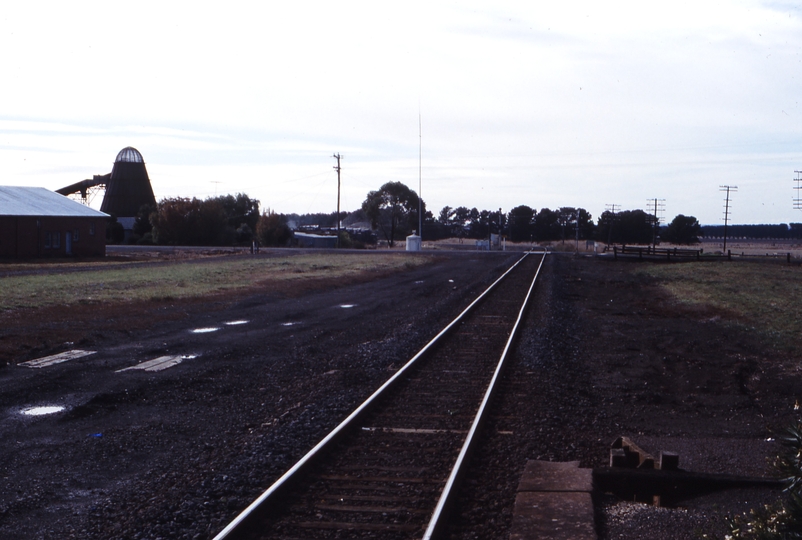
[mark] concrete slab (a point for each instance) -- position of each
(555, 476)
(56, 358)
(553, 516)
(554, 502)
(157, 364)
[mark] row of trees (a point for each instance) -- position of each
(215, 221)
(523, 223)
(392, 211)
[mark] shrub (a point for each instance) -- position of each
(271, 230)
(781, 520)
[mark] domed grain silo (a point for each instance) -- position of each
(128, 187)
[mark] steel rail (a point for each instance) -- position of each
(242, 519)
(437, 522)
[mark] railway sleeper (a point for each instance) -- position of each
(349, 526)
(372, 509)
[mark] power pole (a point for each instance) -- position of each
(727, 210)
(659, 205)
(578, 213)
(338, 157)
(612, 208)
(215, 182)
(797, 199)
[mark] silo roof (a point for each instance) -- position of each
(129, 154)
(37, 201)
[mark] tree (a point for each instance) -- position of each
(521, 222)
(547, 225)
(628, 227)
(446, 214)
(115, 233)
(272, 229)
(461, 216)
(569, 219)
(240, 209)
(393, 210)
(191, 222)
(142, 223)
(683, 230)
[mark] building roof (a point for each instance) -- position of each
(41, 202)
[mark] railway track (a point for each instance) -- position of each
(390, 469)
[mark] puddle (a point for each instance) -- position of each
(235, 323)
(206, 330)
(289, 324)
(346, 306)
(41, 411)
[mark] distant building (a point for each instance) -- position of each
(308, 240)
(36, 222)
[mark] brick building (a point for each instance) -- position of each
(36, 222)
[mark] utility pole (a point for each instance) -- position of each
(215, 182)
(659, 205)
(612, 208)
(338, 157)
(797, 199)
(727, 210)
(499, 229)
(577, 229)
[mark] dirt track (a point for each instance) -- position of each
(172, 454)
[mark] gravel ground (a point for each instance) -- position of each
(603, 354)
(176, 454)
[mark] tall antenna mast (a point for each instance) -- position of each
(420, 194)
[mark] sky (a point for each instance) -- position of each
(486, 104)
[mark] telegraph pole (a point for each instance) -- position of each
(578, 215)
(338, 157)
(612, 208)
(215, 182)
(659, 204)
(727, 210)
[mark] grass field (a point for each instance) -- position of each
(766, 297)
(188, 279)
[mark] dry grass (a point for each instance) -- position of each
(188, 279)
(766, 297)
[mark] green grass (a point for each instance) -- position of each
(189, 279)
(767, 297)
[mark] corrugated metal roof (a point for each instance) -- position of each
(36, 201)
